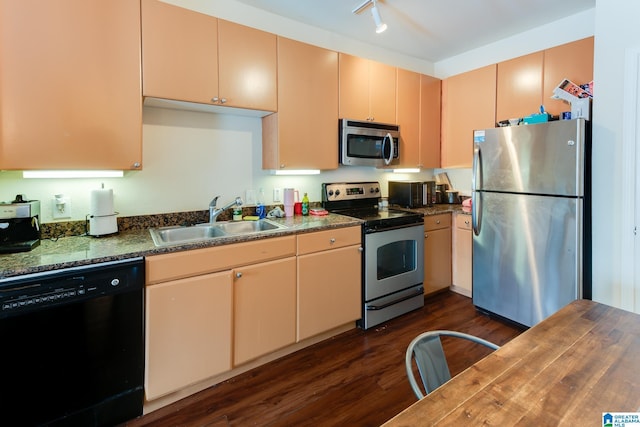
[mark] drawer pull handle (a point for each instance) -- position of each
(437, 221)
(332, 240)
(238, 274)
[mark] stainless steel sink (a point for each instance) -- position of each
(164, 236)
(244, 227)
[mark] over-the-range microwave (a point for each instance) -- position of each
(368, 143)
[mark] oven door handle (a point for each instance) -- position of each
(404, 298)
(396, 227)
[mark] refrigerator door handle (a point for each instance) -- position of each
(476, 199)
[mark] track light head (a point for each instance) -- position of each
(380, 26)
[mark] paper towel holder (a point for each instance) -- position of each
(101, 225)
(102, 220)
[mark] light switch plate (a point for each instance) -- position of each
(277, 194)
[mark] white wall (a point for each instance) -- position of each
(616, 31)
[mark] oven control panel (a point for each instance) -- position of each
(336, 192)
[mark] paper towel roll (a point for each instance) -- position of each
(101, 202)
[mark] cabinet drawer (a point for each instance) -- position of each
(463, 221)
(328, 239)
(160, 268)
(434, 222)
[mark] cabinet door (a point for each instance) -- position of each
(179, 53)
(302, 134)
(437, 260)
(430, 103)
(519, 87)
(264, 308)
(329, 290)
(408, 114)
(573, 61)
(382, 92)
(353, 87)
(462, 253)
(247, 67)
(70, 95)
(468, 103)
(188, 332)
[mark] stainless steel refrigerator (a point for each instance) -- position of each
(531, 219)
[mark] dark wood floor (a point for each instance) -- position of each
(356, 379)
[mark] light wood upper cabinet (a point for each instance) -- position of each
(193, 57)
(247, 61)
(430, 116)
(188, 332)
(519, 86)
(70, 95)
(573, 61)
(179, 53)
(468, 103)
(367, 90)
(418, 115)
(303, 133)
(408, 117)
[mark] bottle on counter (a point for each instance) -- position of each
(237, 213)
(261, 211)
(305, 204)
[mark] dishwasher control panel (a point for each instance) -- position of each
(23, 294)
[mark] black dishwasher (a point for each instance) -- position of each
(72, 349)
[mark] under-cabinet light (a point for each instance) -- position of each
(297, 172)
(73, 174)
(406, 170)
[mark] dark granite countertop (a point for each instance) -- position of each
(440, 209)
(75, 251)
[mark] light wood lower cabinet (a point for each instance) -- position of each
(437, 253)
(188, 332)
(264, 308)
(214, 311)
(329, 280)
(205, 306)
(462, 253)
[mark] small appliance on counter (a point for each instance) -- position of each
(412, 194)
(102, 218)
(19, 225)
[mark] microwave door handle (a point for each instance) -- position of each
(387, 161)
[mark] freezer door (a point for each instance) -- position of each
(544, 158)
(527, 259)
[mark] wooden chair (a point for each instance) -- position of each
(429, 356)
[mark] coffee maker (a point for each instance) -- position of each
(19, 225)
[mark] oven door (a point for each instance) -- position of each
(393, 260)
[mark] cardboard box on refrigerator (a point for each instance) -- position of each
(577, 96)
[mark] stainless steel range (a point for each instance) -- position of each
(393, 242)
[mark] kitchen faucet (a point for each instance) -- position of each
(214, 212)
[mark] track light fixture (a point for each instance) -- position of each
(377, 19)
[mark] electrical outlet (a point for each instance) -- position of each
(277, 195)
(61, 206)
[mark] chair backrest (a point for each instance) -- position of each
(427, 350)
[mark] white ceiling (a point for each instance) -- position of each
(430, 30)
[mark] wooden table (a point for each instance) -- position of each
(567, 370)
